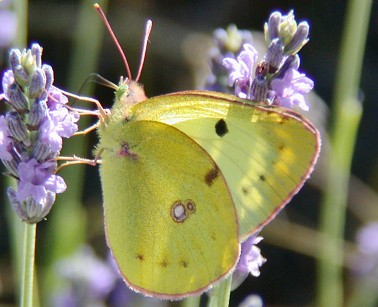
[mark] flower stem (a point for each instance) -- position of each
(347, 112)
(220, 295)
(28, 268)
(192, 301)
(21, 10)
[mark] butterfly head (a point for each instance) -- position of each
(129, 92)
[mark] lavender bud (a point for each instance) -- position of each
(41, 151)
(11, 166)
(49, 73)
(37, 83)
(28, 61)
(50, 200)
(17, 128)
(287, 28)
(21, 76)
(34, 211)
(259, 89)
(292, 61)
(17, 98)
(38, 112)
(274, 55)
(14, 58)
(36, 51)
(16, 205)
(271, 27)
(299, 38)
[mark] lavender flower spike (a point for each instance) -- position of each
(31, 133)
(275, 79)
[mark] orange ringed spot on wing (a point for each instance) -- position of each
(211, 175)
(181, 210)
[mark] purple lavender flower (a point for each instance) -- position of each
(290, 90)
(88, 280)
(29, 144)
(250, 259)
(252, 300)
(227, 43)
(365, 260)
(249, 262)
(367, 238)
(59, 122)
(274, 80)
(241, 70)
(36, 179)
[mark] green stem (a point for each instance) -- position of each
(347, 114)
(192, 301)
(28, 267)
(21, 10)
(220, 296)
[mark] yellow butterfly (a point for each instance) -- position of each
(188, 176)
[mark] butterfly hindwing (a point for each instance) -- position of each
(265, 153)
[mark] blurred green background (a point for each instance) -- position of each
(180, 37)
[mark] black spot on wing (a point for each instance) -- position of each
(211, 175)
(245, 191)
(262, 177)
(221, 128)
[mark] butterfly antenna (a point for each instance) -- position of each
(144, 48)
(109, 28)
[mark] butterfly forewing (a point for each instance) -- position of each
(170, 219)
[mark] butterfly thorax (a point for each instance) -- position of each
(127, 94)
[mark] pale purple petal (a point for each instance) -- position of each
(36, 179)
(234, 67)
(241, 70)
(7, 80)
(250, 258)
(48, 134)
(65, 120)
(290, 90)
(27, 189)
(56, 99)
(55, 184)
(5, 140)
